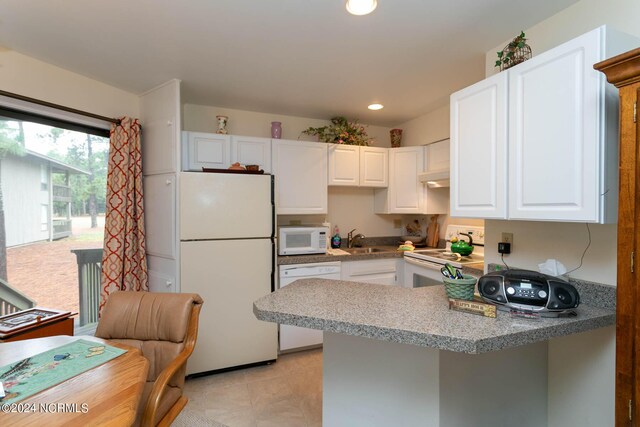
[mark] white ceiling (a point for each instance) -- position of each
(306, 58)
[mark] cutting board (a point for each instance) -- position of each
(433, 232)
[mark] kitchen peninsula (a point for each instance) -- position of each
(398, 356)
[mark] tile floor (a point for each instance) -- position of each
(287, 393)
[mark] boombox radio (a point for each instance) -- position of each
(528, 291)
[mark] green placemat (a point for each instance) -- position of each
(34, 374)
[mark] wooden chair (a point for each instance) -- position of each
(164, 326)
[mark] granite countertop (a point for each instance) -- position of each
(413, 316)
(389, 252)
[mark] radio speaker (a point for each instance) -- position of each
(562, 295)
(490, 287)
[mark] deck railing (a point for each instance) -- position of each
(89, 276)
(61, 228)
(61, 193)
(12, 300)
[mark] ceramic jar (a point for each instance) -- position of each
(276, 130)
(222, 124)
(396, 137)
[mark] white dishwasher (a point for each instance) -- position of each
(294, 337)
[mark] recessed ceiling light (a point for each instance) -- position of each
(361, 7)
(375, 107)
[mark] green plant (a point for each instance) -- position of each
(507, 56)
(341, 131)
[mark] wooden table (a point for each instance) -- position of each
(110, 392)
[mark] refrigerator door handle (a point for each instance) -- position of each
(273, 208)
(273, 265)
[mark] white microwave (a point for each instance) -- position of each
(300, 240)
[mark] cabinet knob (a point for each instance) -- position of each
(169, 123)
(168, 182)
(168, 283)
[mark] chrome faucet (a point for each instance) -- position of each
(351, 238)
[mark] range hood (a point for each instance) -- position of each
(435, 179)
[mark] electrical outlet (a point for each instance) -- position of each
(397, 223)
(507, 238)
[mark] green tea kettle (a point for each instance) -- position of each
(461, 247)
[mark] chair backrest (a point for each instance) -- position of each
(156, 323)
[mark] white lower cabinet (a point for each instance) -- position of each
(383, 271)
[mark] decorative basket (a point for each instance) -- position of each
(460, 288)
(514, 53)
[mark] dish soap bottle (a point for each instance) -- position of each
(336, 240)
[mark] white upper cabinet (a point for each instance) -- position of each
(248, 150)
(555, 133)
(405, 193)
(205, 150)
(560, 122)
(344, 165)
(358, 166)
(215, 151)
(160, 119)
(374, 167)
(300, 169)
(437, 157)
(479, 149)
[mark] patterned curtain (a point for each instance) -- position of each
(124, 261)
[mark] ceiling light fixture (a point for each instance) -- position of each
(361, 7)
(375, 107)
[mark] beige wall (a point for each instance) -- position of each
(427, 128)
(36, 79)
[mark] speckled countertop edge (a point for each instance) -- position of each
(412, 316)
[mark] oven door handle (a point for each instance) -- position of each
(423, 263)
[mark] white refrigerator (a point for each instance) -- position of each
(227, 255)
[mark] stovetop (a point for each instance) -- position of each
(443, 256)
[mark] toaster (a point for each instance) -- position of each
(528, 291)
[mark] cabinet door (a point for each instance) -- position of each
(405, 192)
(554, 131)
(160, 118)
(374, 167)
(300, 169)
(479, 149)
(436, 156)
(379, 271)
(208, 150)
(344, 165)
(248, 150)
(160, 215)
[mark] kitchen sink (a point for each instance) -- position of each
(358, 251)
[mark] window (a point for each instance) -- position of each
(53, 187)
(44, 217)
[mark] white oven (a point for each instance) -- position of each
(422, 266)
(419, 273)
